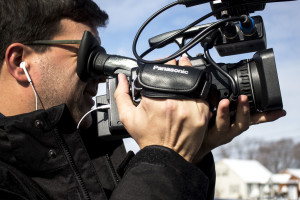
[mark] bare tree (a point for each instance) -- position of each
(239, 149)
(296, 156)
(274, 155)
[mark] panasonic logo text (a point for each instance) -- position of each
(169, 69)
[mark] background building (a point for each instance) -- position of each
(293, 184)
(241, 179)
(250, 180)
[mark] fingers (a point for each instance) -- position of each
(171, 62)
(184, 61)
(223, 116)
(223, 131)
(122, 97)
(266, 116)
(123, 86)
(242, 118)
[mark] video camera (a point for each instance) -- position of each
(235, 32)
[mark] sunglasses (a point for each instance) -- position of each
(88, 49)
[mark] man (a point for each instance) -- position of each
(44, 156)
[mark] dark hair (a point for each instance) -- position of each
(28, 20)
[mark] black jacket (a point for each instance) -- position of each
(44, 156)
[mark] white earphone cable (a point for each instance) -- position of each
(36, 104)
(103, 107)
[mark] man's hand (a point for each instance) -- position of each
(223, 131)
(176, 124)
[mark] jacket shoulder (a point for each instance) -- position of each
(15, 185)
(159, 169)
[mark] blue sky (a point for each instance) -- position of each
(282, 29)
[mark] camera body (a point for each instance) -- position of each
(256, 78)
(235, 33)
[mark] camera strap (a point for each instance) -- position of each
(173, 82)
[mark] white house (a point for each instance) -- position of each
(293, 172)
(278, 183)
(293, 186)
(284, 186)
(241, 179)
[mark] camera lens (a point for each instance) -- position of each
(257, 78)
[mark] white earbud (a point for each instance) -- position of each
(23, 66)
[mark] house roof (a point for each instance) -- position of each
(251, 171)
(295, 172)
(280, 178)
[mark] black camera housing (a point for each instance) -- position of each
(256, 77)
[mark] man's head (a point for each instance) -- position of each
(51, 67)
(24, 20)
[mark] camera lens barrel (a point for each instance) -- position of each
(257, 78)
(243, 77)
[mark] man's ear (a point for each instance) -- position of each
(13, 57)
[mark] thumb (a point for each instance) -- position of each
(184, 61)
(122, 97)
